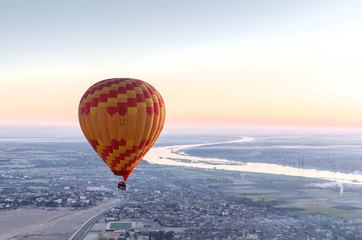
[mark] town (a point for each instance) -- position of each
(161, 202)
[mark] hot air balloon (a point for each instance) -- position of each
(121, 118)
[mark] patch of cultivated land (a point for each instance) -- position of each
(298, 193)
(37, 224)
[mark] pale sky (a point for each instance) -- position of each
(237, 62)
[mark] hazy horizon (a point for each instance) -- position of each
(75, 131)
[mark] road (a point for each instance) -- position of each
(84, 229)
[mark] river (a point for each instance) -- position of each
(174, 156)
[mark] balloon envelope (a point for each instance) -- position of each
(121, 118)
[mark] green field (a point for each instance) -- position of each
(278, 191)
(119, 226)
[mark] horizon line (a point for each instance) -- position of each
(63, 125)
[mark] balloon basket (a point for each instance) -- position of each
(122, 186)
